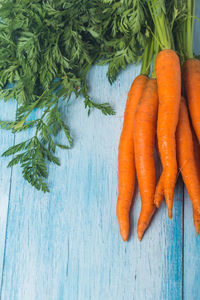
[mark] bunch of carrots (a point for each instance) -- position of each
(162, 112)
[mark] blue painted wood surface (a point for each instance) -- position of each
(66, 245)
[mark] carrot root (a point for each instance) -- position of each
(144, 143)
(186, 156)
(168, 75)
(126, 162)
(196, 219)
(191, 76)
(159, 193)
(146, 214)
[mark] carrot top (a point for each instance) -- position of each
(147, 57)
(184, 29)
(156, 51)
(189, 24)
(158, 13)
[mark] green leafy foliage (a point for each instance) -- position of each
(34, 153)
(46, 51)
(123, 34)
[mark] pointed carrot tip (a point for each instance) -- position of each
(170, 214)
(197, 232)
(124, 235)
(157, 204)
(140, 235)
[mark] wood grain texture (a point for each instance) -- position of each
(7, 112)
(191, 254)
(66, 244)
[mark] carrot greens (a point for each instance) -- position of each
(46, 51)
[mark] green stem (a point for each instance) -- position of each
(184, 35)
(43, 116)
(190, 28)
(147, 58)
(180, 32)
(193, 14)
(156, 50)
(161, 25)
(21, 123)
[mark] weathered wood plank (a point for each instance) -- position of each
(191, 254)
(66, 244)
(7, 112)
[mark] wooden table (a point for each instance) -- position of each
(66, 245)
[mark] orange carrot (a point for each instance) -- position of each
(186, 156)
(187, 144)
(169, 91)
(196, 150)
(196, 216)
(144, 143)
(191, 76)
(159, 193)
(126, 162)
(196, 219)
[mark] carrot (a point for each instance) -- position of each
(191, 76)
(186, 156)
(196, 219)
(169, 92)
(144, 143)
(126, 163)
(196, 216)
(159, 193)
(196, 150)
